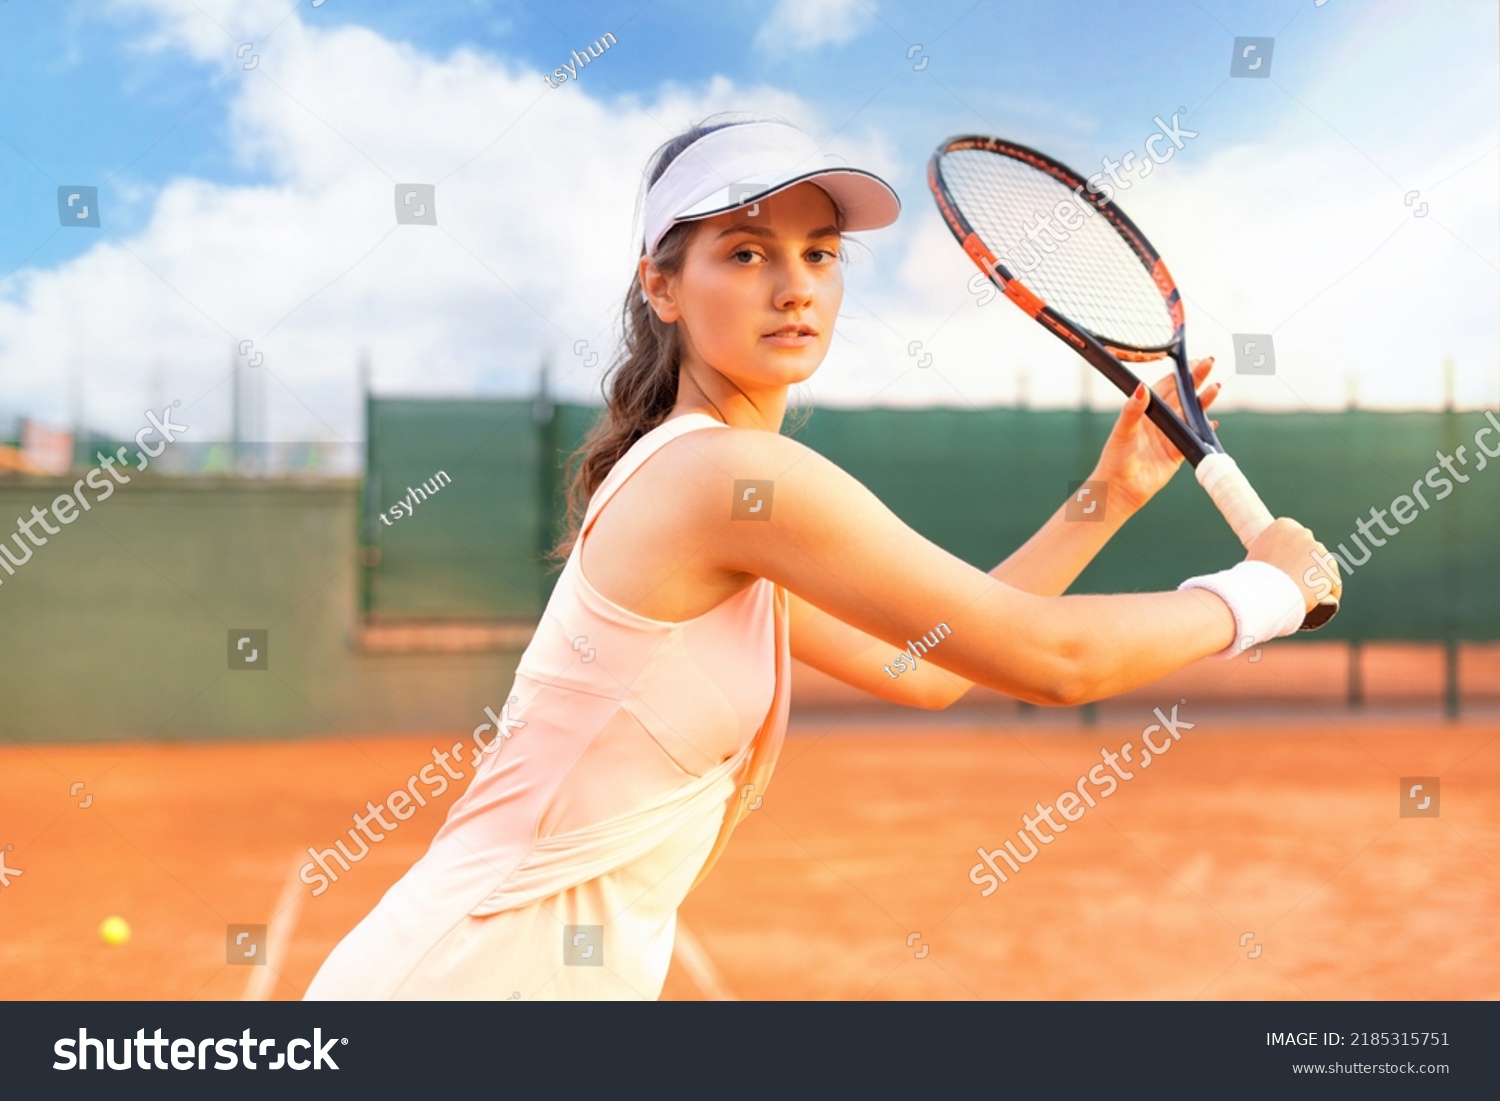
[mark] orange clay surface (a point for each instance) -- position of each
(851, 881)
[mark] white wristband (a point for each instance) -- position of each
(1266, 602)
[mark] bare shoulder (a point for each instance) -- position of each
(747, 499)
(662, 546)
(730, 440)
(688, 499)
(717, 477)
(687, 473)
(688, 481)
(711, 461)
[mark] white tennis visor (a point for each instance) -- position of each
(743, 163)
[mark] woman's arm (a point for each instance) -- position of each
(860, 659)
(1137, 461)
(830, 541)
(1046, 564)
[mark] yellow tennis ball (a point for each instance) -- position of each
(114, 930)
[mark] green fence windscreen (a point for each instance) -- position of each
(976, 482)
(469, 550)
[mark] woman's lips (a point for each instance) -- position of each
(790, 339)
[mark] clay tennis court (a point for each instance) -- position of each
(1259, 858)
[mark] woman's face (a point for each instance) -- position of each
(749, 273)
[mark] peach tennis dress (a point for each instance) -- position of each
(644, 744)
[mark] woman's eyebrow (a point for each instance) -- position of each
(761, 231)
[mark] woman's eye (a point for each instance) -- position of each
(818, 256)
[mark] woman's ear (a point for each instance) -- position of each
(656, 287)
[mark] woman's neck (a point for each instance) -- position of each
(731, 405)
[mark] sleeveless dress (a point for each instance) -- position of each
(633, 748)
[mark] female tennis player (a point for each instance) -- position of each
(705, 549)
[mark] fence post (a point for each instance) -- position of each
(1451, 703)
(544, 416)
(369, 498)
(1453, 582)
(1356, 675)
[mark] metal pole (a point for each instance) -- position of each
(1455, 586)
(369, 499)
(1451, 702)
(235, 398)
(544, 416)
(1356, 675)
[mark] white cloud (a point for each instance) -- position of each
(803, 25)
(537, 236)
(536, 240)
(1298, 229)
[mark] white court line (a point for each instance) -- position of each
(694, 959)
(278, 935)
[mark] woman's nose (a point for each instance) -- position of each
(797, 286)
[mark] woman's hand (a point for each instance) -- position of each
(1292, 548)
(1138, 459)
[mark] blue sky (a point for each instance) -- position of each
(240, 202)
(1066, 71)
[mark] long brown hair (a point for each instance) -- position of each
(640, 387)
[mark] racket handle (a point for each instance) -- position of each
(1248, 516)
(1236, 497)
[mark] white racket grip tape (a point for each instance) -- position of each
(1266, 602)
(1236, 497)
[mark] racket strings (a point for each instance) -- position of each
(1092, 276)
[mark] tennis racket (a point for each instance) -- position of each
(1101, 288)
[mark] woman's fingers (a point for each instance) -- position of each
(1200, 372)
(1166, 386)
(1134, 410)
(1166, 390)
